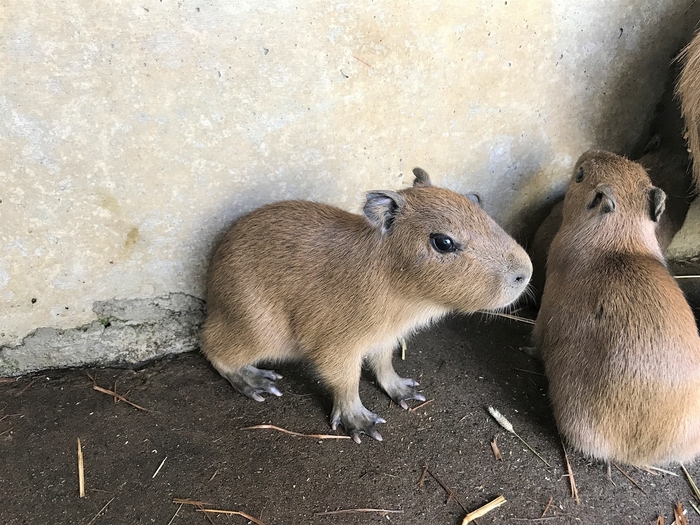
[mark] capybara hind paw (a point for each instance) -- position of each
(357, 422)
(252, 382)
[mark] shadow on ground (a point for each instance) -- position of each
(191, 443)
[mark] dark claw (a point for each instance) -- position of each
(252, 382)
(404, 390)
(359, 422)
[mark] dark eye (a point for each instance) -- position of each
(443, 243)
(579, 175)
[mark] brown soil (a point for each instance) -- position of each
(195, 424)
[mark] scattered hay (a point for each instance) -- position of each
(27, 386)
(496, 451)
(631, 480)
(501, 419)
(159, 467)
(175, 515)
(114, 394)
(570, 474)
(679, 515)
(655, 470)
(81, 471)
(291, 433)
(546, 508)
(481, 511)
(101, 511)
(421, 481)
(693, 486)
(384, 512)
(450, 493)
(200, 508)
(421, 405)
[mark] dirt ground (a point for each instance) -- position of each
(191, 442)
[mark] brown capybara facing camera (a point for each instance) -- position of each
(618, 339)
(302, 280)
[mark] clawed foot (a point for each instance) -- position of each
(404, 389)
(356, 422)
(252, 382)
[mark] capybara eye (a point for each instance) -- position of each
(579, 175)
(443, 243)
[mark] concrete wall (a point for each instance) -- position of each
(133, 133)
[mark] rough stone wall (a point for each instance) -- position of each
(133, 133)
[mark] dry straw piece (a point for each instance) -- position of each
(481, 511)
(421, 405)
(572, 481)
(112, 393)
(546, 508)
(501, 419)
(291, 433)
(630, 479)
(81, 471)
(693, 486)
(200, 508)
(159, 467)
(679, 515)
(354, 511)
(496, 451)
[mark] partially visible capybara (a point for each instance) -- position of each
(668, 168)
(305, 280)
(618, 339)
(688, 90)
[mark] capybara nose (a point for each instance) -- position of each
(519, 279)
(521, 273)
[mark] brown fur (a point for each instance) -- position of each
(668, 169)
(305, 280)
(619, 341)
(688, 90)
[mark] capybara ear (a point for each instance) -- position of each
(475, 198)
(603, 199)
(382, 207)
(422, 177)
(657, 203)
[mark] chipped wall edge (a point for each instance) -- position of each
(127, 332)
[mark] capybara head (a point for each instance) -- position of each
(608, 192)
(446, 249)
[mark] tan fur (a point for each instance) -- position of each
(688, 90)
(619, 341)
(667, 168)
(305, 280)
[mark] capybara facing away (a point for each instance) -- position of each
(619, 341)
(299, 279)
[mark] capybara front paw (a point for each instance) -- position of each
(252, 382)
(356, 422)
